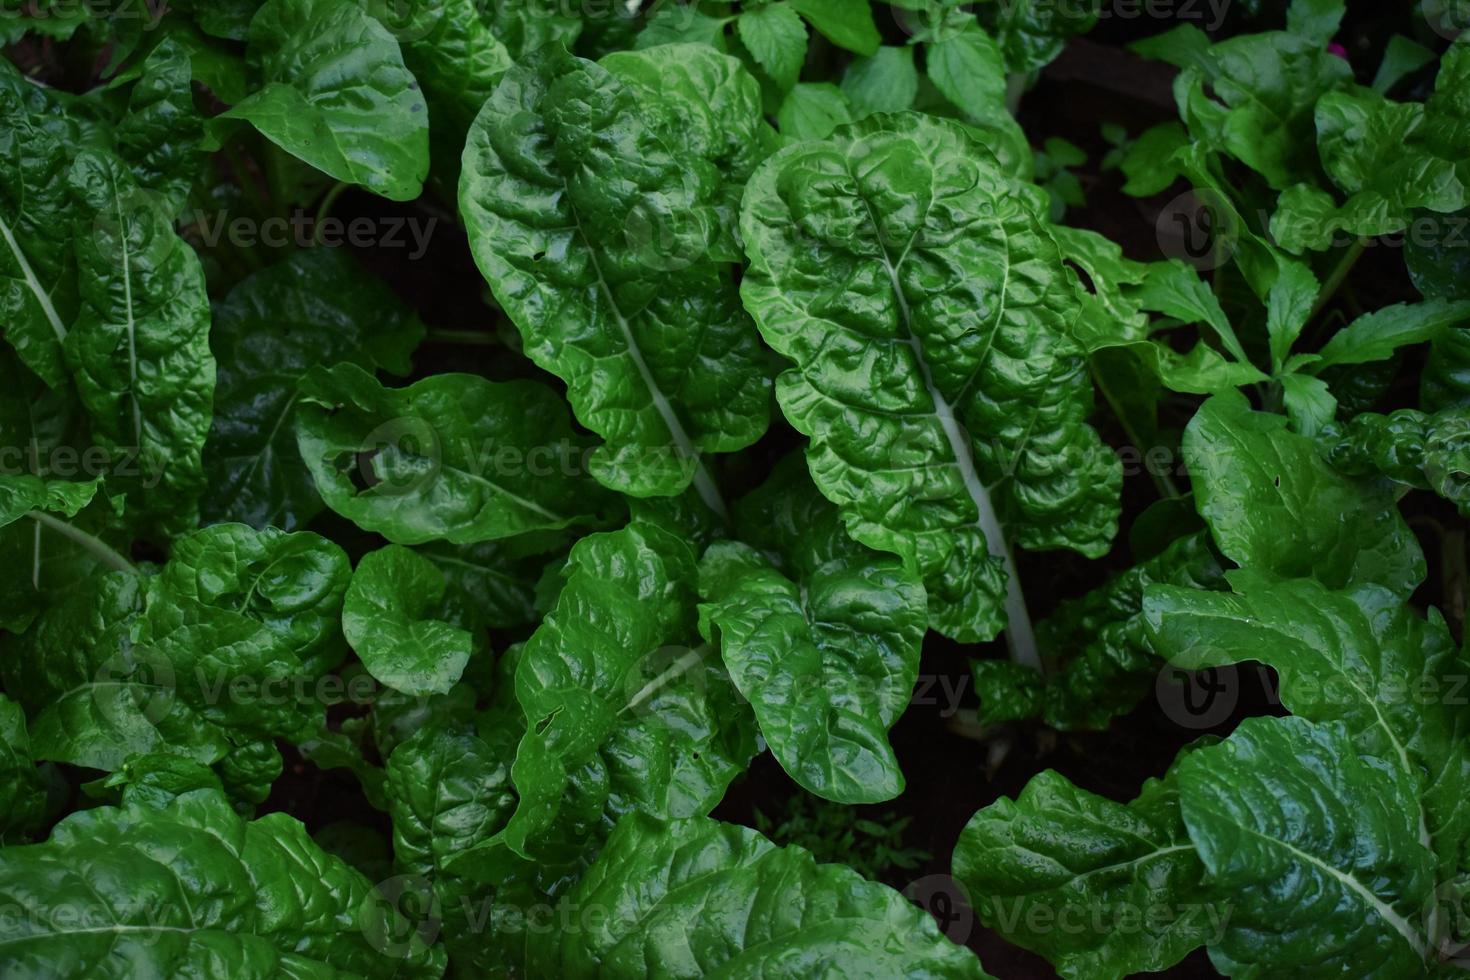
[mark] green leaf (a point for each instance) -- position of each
(1375, 336)
(1408, 447)
(226, 642)
(1148, 161)
(192, 888)
(1361, 658)
(1253, 97)
(1316, 848)
(1401, 59)
(1033, 32)
(1289, 306)
(664, 882)
(827, 660)
(337, 95)
(448, 790)
(846, 23)
(616, 274)
(1309, 404)
(811, 110)
(776, 39)
(291, 584)
(394, 615)
(38, 290)
(621, 716)
(160, 136)
(1315, 20)
(22, 791)
(1274, 506)
(1439, 264)
(316, 307)
(885, 82)
(1056, 869)
(970, 69)
(452, 457)
(498, 578)
(139, 346)
(454, 54)
(935, 371)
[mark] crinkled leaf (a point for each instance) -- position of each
(317, 307)
(193, 889)
(828, 661)
(599, 202)
(336, 95)
(394, 617)
(452, 457)
(139, 346)
(1431, 452)
(621, 716)
(1273, 505)
(695, 898)
(929, 318)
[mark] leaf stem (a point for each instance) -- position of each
(1337, 276)
(325, 208)
(1015, 91)
(472, 338)
(91, 543)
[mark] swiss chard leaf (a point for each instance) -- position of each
(929, 317)
(452, 457)
(599, 202)
(316, 307)
(194, 888)
(660, 880)
(621, 716)
(337, 95)
(1274, 505)
(394, 617)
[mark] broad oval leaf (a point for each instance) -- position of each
(929, 318)
(452, 457)
(694, 898)
(194, 889)
(317, 307)
(598, 204)
(337, 95)
(393, 616)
